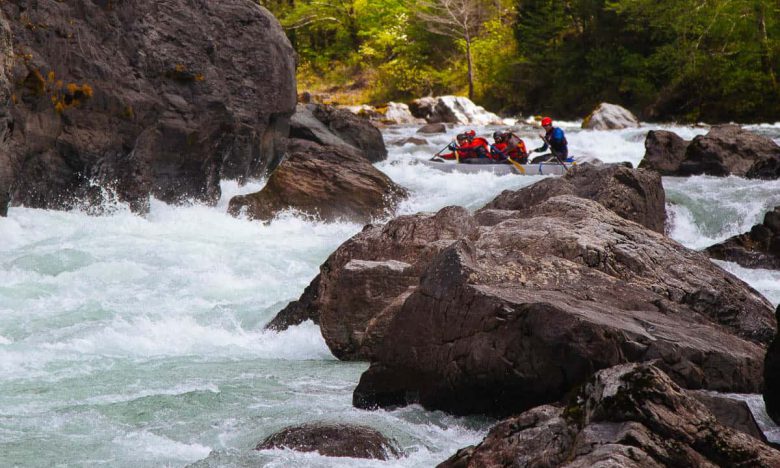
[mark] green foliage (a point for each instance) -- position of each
(712, 60)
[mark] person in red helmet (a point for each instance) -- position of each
(508, 145)
(554, 139)
(470, 149)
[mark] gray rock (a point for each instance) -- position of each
(453, 109)
(757, 248)
(625, 416)
(433, 128)
(326, 182)
(772, 377)
(522, 310)
(397, 113)
(159, 98)
(637, 195)
(610, 117)
(724, 150)
(729, 412)
(664, 152)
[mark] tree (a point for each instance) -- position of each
(458, 19)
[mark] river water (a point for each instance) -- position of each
(130, 341)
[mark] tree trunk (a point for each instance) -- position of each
(471, 67)
(766, 51)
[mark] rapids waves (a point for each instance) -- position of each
(139, 341)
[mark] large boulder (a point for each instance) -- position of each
(610, 117)
(637, 195)
(724, 150)
(541, 299)
(758, 248)
(333, 440)
(452, 109)
(338, 128)
(361, 284)
(625, 416)
(329, 183)
(772, 377)
(146, 97)
(664, 152)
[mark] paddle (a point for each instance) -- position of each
(555, 155)
(517, 165)
(439, 152)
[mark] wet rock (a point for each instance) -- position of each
(664, 152)
(333, 440)
(339, 129)
(628, 416)
(610, 117)
(772, 377)
(145, 98)
(325, 182)
(433, 128)
(729, 412)
(452, 109)
(397, 113)
(758, 248)
(725, 150)
(637, 195)
(297, 312)
(412, 141)
(526, 308)
(400, 249)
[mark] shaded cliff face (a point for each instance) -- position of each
(158, 98)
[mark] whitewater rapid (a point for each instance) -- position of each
(139, 341)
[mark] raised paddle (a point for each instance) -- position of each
(517, 165)
(439, 152)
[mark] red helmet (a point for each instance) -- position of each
(471, 134)
(546, 121)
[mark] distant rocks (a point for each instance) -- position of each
(637, 195)
(396, 113)
(772, 376)
(146, 98)
(610, 117)
(323, 181)
(629, 416)
(333, 440)
(725, 150)
(758, 248)
(433, 128)
(452, 109)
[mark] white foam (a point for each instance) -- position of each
(767, 282)
(158, 447)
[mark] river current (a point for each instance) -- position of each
(129, 341)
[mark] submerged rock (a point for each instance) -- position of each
(628, 416)
(329, 183)
(433, 128)
(636, 195)
(772, 377)
(610, 117)
(144, 97)
(758, 248)
(333, 440)
(725, 150)
(529, 303)
(338, 129)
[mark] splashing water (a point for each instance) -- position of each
(139, 341)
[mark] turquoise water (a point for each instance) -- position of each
(139, 341)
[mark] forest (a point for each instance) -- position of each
(683, 60)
